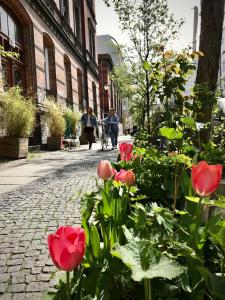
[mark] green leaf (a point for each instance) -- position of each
(170, 133)
(217, 232)
(189, 122)
(95, 240)
(146, 261)
(185, 281)
(193, 199)
(146, 66)
(215, 284)
(218, 203)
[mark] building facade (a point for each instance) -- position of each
(56, 43)
(109, 96)
(108, 57)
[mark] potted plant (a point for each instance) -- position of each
(56, 124)
(17, 119)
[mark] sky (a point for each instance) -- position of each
(108, 23)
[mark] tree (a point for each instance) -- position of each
(130, 83)
(149, 25)
(212, 15)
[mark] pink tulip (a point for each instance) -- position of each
(67, 247)
(125, 151)
(120, 176)
(105, 170)
(129, 178)
(206, 178)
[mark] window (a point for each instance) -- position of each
(9, 27)
(46, 62)
(91, 38)
(76, 17)
(68, 81)
(80, 89)
(95, 106)
(13, 69)
(64, 8)
(49, 64)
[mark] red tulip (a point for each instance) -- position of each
(206, 178)
(67, 247)
(105, 170)
(125, 151)
(126, 177)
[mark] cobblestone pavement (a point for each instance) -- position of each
(28, 214)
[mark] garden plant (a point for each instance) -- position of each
(150, 231)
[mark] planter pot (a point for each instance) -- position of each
(55, 143)
(13, 147)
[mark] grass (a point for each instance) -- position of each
(33, 155)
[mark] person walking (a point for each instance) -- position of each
(89, 122)
(112, 122)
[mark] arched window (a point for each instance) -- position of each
(68, 81)
(95, 105)
(80, 89)
(11, 39)
(49, 64)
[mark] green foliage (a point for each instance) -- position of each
(170, 133)
(17, 113)
(9, 54)
(54, 118)
(145, 261)
(71, 119)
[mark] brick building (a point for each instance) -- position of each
(56, 42)
(108, 57)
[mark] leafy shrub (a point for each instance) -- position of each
(71, 118)
(54, 118)
(17, 113)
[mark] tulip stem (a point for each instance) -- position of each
(198, 220)
(148, 290)
(68, 284)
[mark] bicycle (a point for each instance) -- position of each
(104, 137)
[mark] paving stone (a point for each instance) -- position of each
(43, 277)
(31, 278)
(13, 269)
(18, 279)
(36, 287)
(33, 296)
(6, 296)
(14, 262)
(17, 288)
(4, 277)
(19, 296)
(3, 287)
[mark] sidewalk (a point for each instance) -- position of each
(21, 172)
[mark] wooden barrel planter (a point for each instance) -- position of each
(13, 147)
(55, 143)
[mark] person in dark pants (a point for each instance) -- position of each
(112, 122)
(89, 122)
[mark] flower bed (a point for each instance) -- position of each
(135, 245)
